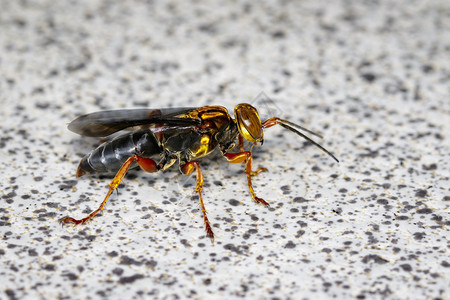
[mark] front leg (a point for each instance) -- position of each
(246, 156)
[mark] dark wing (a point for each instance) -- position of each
(104, 123)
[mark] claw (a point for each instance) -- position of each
(70, 220)
(262, 201)
(209, 232)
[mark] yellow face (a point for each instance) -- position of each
(248, 123)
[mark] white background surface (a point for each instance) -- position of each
(372, 77)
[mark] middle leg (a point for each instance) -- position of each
(187, 170)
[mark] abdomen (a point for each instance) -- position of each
(109, 156)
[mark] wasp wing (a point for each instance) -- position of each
(104, 123)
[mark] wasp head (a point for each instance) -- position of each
(248, 123)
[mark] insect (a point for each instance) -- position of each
(155, 139)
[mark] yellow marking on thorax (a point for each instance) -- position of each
(204, 148)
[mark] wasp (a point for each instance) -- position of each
(155, 139)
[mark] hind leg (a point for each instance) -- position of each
(146, 164)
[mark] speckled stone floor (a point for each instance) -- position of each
(372, 76)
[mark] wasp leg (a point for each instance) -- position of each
(146, 164)
(241, 143)
(246, 157)
(241, 147)
(187, 170)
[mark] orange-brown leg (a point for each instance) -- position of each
(246, 157)
(241, 143)
(146, 164)
(187, 170)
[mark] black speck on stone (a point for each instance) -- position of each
(146, 217)
(14, 268)
(117, 271)
(70, 276)
(427, 68)
(299, 233)
(185, 243)
(445, 264)
(290, 245)
(49, 267)
(302, 224)
(254, 217)
(130, 279)
(75, 67)
(158, 210)
(424, 211)
(437, 218)
(419, 235)
(125, 260)
(337, 210)
(11, 294)
(435, 275)
(10, 195)
(299, 200)
(421, 193)
(151, 263)
(406, 267)
(113, 254)
(234, 202)
(382, 201)
(430, 167)
(52, 204)
(286, 189)
(233, 248)
(91, 238)
(375, 258)
(279, 34)
(286, 73)
(67, 184)
(316, 169)
(369, 77)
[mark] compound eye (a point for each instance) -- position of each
(248, 122)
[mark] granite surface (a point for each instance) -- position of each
(372, 76)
